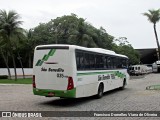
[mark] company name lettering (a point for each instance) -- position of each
(52, 70)
(106, 77)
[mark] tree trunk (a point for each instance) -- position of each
(158, 55)
(30, 61)
(14, 64)
(19, 58)
(6, 63)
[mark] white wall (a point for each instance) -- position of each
(27, 71)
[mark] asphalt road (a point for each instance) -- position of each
(134, 98)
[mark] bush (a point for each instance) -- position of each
(3, 77)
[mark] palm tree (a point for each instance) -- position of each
(154, 17)
(30, 45)
(5, 54)
(9, 29)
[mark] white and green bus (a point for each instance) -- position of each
(71, 71)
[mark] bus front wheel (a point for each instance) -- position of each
(123, 86)
(100, 91)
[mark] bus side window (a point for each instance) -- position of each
(80, 60)
(108, 62)
(87, 61)
(120, 63)
(124, 63)
(99, 62)
(77, 61)
(115, 62)
(135, 68)
(92, 61)
(112, 62)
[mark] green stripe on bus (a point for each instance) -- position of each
(41, 62)
(45, 57)
(92, 73)
(51, 52)
(37, 64)
(117, 73)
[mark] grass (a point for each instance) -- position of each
(18, 81)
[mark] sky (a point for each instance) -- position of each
(120, 18)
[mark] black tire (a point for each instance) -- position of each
(124, 83)
(100, 91)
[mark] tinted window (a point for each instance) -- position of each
(92, 61)
(109, 62)
(135, 68)
(99, 62)
(86, 60)
(80, 60)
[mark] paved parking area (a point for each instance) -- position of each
(134, 98)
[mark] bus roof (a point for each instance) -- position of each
(98, 50)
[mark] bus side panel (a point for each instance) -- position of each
(88, 81)
(86, 85)
(117, 80)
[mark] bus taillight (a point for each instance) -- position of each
(70, 83)
(33, 82)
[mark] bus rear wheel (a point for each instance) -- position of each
(100, 91)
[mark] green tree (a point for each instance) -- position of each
(125, 48)
(4, 53)
(64, 30)
(103, 39)
(153, 17)
(29, 46)
(9, 30)
(70, 29)
(42, 34)
(81, 35)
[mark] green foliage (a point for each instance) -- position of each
(41, 34)
(153, 15)
(126, 49)
(71, 30)
(68, 29)
(10, 32)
